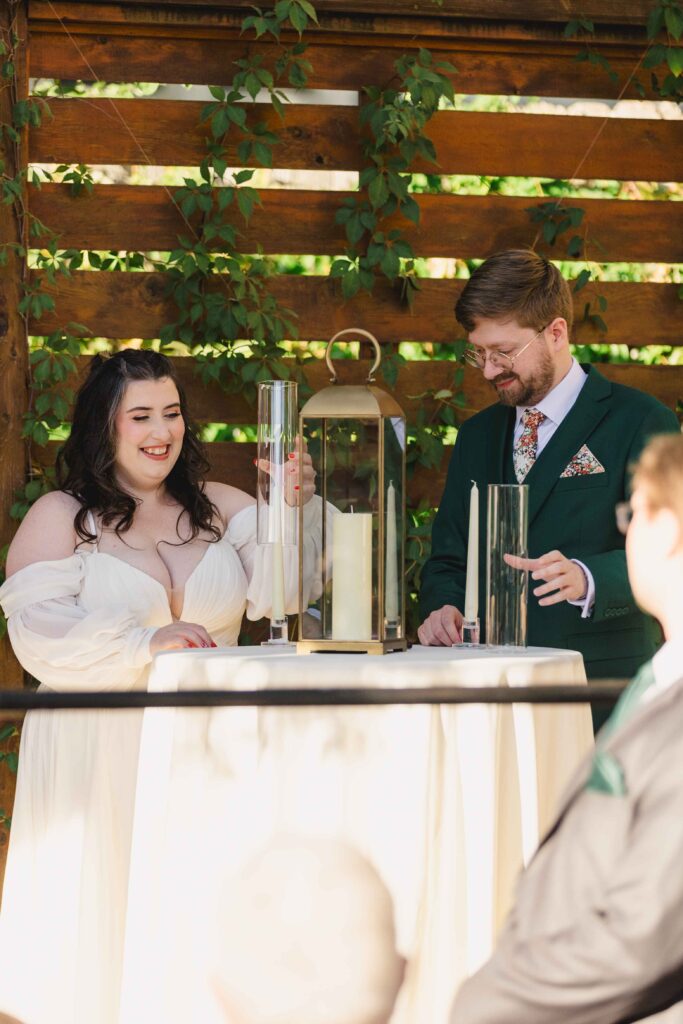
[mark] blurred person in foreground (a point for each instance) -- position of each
(306, 936)
(596, 934)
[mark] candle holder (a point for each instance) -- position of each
(276, 510)
(356, 437)
(469, 633)
(506, 588)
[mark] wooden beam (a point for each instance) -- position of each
(620, 12)
(233, 462)
(417, 382)
(167, 132)
(13, 339)
(13, 359)
(136, 305)
(144, 217)
(513, 59)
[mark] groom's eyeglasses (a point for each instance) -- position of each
(624, 514)
(478, 356)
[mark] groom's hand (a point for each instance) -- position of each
(564, 579)
(441, 628)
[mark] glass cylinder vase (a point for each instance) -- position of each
(276, 494)
(506, 588)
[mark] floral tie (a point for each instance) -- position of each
(526, 447)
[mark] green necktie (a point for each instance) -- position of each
(629, 699)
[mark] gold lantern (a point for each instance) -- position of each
(356, 436)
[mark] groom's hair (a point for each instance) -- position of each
(516, 284)
(659, 471)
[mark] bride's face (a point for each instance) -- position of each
(149, 432)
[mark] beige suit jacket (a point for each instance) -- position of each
(596, 933)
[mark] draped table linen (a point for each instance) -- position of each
(448, 802)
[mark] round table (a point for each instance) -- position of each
(447, 801)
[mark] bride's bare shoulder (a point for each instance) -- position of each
(46, 532)
(227, 499)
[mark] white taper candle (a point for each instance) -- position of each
(391, 564)
(472, 581)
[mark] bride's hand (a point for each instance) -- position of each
(290, 473)
(292, 477)
(179, 635)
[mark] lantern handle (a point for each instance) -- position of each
(356, 331)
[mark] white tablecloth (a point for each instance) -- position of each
(447, 802)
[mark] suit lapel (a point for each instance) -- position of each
(589, 409)
(640, 719)
(657, 704)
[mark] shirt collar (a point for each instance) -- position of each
(667, 666)
(559, 401)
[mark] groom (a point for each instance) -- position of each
(569, 434)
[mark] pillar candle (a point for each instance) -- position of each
(391, 570)
(472, 583)
(352, 576)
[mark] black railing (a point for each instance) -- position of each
(606, 691)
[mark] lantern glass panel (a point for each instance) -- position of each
(345, 454)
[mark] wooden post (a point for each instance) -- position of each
(13, 354)
(13, 339)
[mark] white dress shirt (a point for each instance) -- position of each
(555, 406)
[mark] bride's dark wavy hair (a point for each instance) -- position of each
(86, 461)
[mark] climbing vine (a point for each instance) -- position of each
(221, 294)
(664, 59)
(393, 121)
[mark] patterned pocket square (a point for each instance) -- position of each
(583, 464)
(607, 776)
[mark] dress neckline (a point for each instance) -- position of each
(147, 575)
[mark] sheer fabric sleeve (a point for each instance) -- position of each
(257, 560)
(62, 644)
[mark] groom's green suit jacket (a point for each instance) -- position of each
(573, 514)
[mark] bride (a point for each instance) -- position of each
(133, 555)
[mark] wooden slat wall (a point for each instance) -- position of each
(500, 51)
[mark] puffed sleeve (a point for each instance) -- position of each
(257, 559)
(62, 644)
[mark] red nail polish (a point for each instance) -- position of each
(213, 644)
(296, 487)
(291, 455)
(255, 462)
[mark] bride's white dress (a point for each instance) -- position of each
(85, 622)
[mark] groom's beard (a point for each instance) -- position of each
(527, 391)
